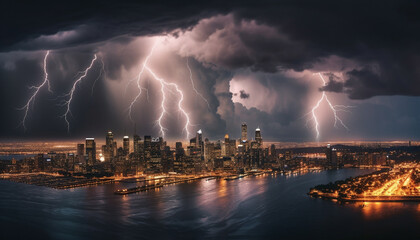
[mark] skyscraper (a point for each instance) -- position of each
(109, 149)
(244, 132)
(80, 152)
(109, 138)
(126, 145)
(258, 137)
(199, 139)
(90, 151)
(147, 147)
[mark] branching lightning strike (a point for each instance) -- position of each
(35, 93)
(164, 87)
(139, 87)
(334, 109)
(67, 102)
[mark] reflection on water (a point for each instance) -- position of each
(251, 207)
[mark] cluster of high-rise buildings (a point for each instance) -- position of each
(149, 155)
(152, 155)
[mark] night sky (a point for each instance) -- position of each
(254, 62)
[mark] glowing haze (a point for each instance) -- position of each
(212, 67)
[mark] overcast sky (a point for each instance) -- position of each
(254, 62)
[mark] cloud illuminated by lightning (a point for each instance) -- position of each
(193, 86)
(139, 87)
(70, 95)
(164, 87)
(35, 93)
(334, 109)
(99, 76)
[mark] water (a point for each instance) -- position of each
(264, 207)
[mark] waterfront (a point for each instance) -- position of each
(253, 207)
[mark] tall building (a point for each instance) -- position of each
(179, 155)
(199, 138)
(258, 137)
(228, 147)
(331, 154)
(109, 149)
(244, 132)
(147, 147)
(80, 152)
(154, 162)
(90, 151)
(126, 145)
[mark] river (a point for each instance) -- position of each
(262, 207)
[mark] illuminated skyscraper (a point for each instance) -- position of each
(109, 150)
(258, 137)
(90, 151)
(126, 145)
(109, 138)
(199, 139)
(244, 132)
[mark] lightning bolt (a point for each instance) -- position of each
(31, 100)
(193, 86)
(334, 109)
(164, 84)
(164, 87)
(99, 76)
(70, 94)
(139, 87)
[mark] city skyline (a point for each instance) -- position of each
(269, 119)
(296, 81)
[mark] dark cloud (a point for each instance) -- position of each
(379, 38)
(265, 36)
(334, 84)
(243, 94)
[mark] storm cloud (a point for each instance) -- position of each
(376, 43)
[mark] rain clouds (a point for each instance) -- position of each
(270, 42)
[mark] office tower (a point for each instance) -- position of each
(193, 142)
(154, 162)
(126, 145)
(178, 148)
(179, 155)
(328, 154)
(70, 161)
(258, 137)
(109, 150)
(80, 152)
(199, 139)
(244, 132)
(331, 154)
(90, 151)
(147, 147)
